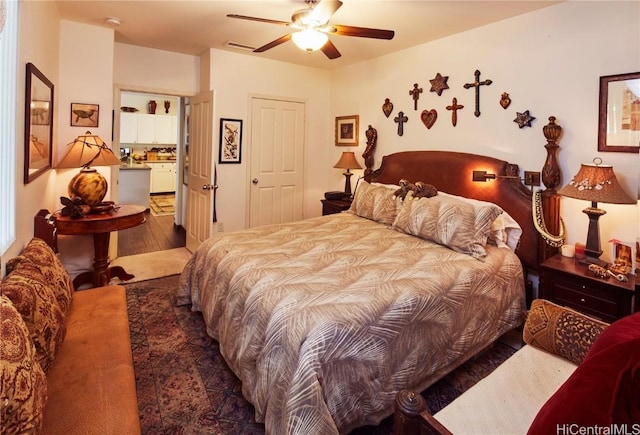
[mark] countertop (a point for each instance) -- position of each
(134, 165)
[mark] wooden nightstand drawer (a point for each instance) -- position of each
(565, 282)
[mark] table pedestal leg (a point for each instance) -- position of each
(102, 273)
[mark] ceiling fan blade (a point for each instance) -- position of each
(323, 11)
(260, 20)
(272, 44)
(330, 50)
(362, 32)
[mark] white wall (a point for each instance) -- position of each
(43, 52)
(549, 62)
(234, 78)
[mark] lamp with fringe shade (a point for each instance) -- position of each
(88, 187)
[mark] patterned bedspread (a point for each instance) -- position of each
(324, 320)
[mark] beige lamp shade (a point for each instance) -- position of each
(89, 186)
(347, 161)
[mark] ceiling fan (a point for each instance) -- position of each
(312, 25)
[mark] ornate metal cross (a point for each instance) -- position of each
(454, 108)
(477, 85)
(415, 93)
(400, 119)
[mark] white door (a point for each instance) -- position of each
(199, 191)
(277, 144)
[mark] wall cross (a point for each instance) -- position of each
(400, 119)
(454, 110)
(477, 85)
(415, 93)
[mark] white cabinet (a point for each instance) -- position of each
(163, 177)
(148, 129)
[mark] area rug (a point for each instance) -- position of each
(185, 387)
(162, 205)
(152, 265)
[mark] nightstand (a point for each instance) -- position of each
(565, 282)
(331, 206)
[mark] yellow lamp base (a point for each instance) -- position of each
(88, 185)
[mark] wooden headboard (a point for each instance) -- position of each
(451, 172)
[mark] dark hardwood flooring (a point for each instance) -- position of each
(158, 233)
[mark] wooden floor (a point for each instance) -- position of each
(158, 233)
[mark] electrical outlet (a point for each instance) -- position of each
(531, 178)
(220, 227)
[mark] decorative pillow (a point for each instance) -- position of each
(560, 330)
(374, 202)
(36, 301)
(603, 391)
(54, 273)
(448, 221)
(23, 386)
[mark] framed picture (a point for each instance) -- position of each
(619, 113)
(347, 131)
(84, 115)
(38, 124)
(230, 140)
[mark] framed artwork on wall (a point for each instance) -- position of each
(38, 124)
(84, 115)
(619, 113)
(347, 131)
(230, 141)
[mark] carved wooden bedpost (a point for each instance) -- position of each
(551, 179)
(372, 140)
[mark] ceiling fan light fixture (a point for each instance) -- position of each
(309, 39)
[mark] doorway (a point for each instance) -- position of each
(152, 142)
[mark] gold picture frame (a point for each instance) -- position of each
(347, 131)
(619, 113)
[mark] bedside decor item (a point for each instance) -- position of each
(347, 161)
(347, 130)
(454, 107)
(429, 117)
(128, 109)
(89, 185)
(230, 141)
(505, 100)
(524, 119)
(400, 119)
(619, 113)
(84, 115)
(476, 84)
(439, 84)
(387, 107)
(151, 107)
(596, 183)
(415, 93)
(38, 125)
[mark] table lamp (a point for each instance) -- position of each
(89, 185)
(347, 161)
(596, 183)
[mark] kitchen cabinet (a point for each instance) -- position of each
(163, 177)
(148, 129)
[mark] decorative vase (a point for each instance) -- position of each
(152, 107)
(167, 105)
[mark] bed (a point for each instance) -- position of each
(324, 320)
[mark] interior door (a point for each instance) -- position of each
(200, 190)
(277, 145)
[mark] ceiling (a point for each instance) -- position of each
(191, 27)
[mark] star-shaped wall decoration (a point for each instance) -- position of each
(439, 84)
(524, 119)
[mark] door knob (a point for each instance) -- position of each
(254, 181)
(209, 187)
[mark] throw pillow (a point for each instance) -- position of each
(375, 202)
(23, 385)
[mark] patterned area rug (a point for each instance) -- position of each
(185, 387)
(162, 205)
